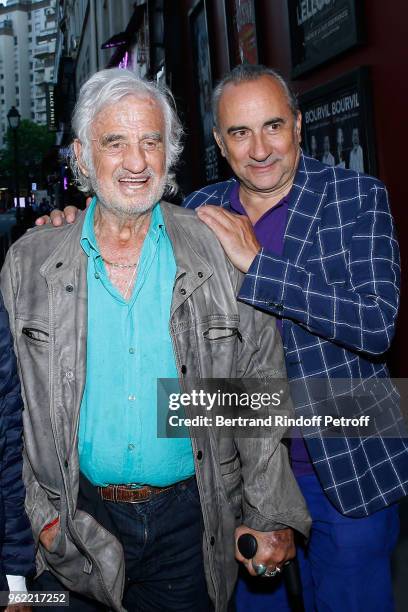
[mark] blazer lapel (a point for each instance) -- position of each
(305, 204)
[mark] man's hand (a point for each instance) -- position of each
(60, 217)
(47, 536)
(274, 548)
(235, 233)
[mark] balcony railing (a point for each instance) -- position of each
(41, 51)
(46, 34)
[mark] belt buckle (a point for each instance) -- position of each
(145, 496)
(149, 495)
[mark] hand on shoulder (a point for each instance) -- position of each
(60, 217)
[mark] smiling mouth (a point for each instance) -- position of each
(262, 167)
(134, 183)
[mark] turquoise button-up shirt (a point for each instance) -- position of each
(128, 348)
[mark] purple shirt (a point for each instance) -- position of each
(270, 232)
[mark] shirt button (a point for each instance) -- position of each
(131, 447)
(131, 350)
(69, 288)
(132, 398)
(97, 275)
(69, 374)
(183, 291)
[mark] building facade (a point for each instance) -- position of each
(84, 28)
(28, 31)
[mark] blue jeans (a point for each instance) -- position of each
(162, 542)
(346, 565)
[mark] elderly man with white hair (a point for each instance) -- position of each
(139, 290)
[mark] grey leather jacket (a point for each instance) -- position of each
(240, 480)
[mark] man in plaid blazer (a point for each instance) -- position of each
(332, 279)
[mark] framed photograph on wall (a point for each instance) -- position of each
(337, 126)
(204, 85)
(321, 30)
(242, 36)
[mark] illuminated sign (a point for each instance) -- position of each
(50, 99)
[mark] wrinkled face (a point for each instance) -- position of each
(258, 134)
(128, 172)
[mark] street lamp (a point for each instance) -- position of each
(13, 118)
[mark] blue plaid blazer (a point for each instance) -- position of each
(336, 287)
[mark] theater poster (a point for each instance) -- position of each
(202, 63)
(322, 29)
(242, 37)
(337, 125)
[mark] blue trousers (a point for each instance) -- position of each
(344, 568)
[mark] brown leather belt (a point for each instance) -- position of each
(130, 495)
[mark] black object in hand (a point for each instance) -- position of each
(248, 545)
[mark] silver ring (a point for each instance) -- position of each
(271, 573)
(259, 569)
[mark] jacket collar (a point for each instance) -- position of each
(225, 198)
(310, 174)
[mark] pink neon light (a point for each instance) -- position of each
(124, 62)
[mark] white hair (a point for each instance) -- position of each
(106, 88)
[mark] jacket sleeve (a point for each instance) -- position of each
(17, 546)
(38, 507)
(271, 498)
(360, 314)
